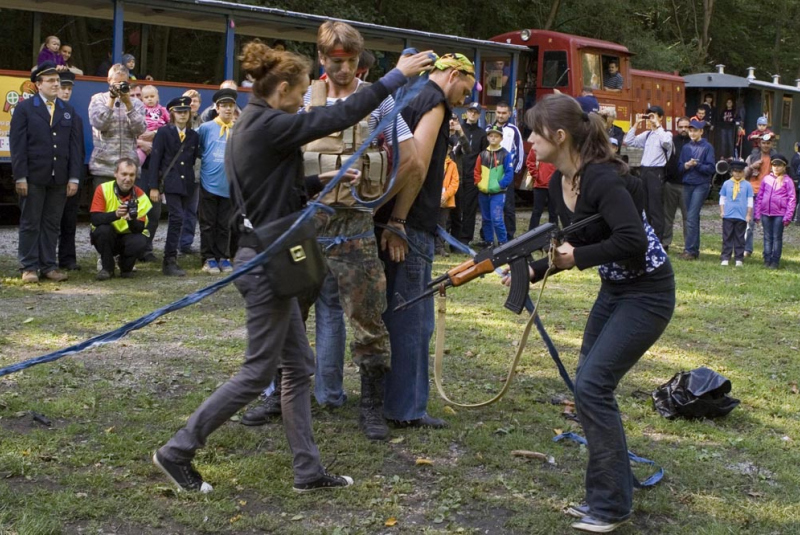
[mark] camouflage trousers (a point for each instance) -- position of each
(356, 274)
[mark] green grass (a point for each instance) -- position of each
(112, 406)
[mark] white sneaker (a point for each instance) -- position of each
(723, 263)
(99, 264)
(739, 263)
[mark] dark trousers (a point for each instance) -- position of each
(727, 137)
(215, 216)
(621, 328)
(39, 221)
(109, 243)
(444, 217)
(653, 182)
(190, 220)
(469, 207)
(178, 208)
(673, 200)
(152, 219)
(453, 225)
(733, 238)
(67, 256)
(510, 212)
(540, 199)
(276, 336)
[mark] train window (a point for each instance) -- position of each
(554, 69)
(592, 71)
(494, 78)
(786, 112)
(766, 106)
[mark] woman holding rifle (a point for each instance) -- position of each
(268, 167)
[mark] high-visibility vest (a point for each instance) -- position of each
(112, 203)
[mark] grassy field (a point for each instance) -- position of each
(112, 406)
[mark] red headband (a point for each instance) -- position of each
(340, 52)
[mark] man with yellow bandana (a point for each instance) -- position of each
(117, 229)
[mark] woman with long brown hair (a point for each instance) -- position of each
(636, 297)
(265, 160)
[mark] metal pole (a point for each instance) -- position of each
(477, 63)
(118, 36)
(230, 33)
(37, 36)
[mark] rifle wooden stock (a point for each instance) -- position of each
(471, 272)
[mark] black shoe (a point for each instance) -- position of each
(170, 268)
(183, 475)
(189, 251)
(577, 511)
(103, 275)
(594, 525)
(71, 267)
(148, 257)
(425, 421)
(326, 481)
(370, 418)
(126, 274)
(263, 411)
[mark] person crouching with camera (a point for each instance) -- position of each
(119, 218)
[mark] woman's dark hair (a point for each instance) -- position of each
(270, 67)
(587, 131)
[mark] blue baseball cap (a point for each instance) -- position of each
(699, 125)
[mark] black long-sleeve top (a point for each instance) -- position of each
(618, 237)
(264, 154)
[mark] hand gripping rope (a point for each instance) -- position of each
(551, 348)
(409, 92)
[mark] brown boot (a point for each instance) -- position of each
(29, 277)
(56, 275)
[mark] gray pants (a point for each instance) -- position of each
(39, 223)
(673, 199)
(276, 335)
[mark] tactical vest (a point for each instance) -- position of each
(112, 203)
(330, 152)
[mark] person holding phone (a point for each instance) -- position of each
(657, 145)
(697, 166)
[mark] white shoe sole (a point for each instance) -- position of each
(594, 528)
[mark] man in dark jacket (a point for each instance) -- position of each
(673, 186)
(697, 164)
(45, 142)
(476, 143)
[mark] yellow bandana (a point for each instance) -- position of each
(224, 128)
(737, 182)
(456, 61)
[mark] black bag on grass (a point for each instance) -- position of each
(700, 393)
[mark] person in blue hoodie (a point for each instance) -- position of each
(696, 165)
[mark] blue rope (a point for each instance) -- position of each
(551, 348)
(413, 89)
(332, 241)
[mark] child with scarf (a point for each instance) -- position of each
(774, 208)
(736, 211)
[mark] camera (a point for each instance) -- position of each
(133, 209)
(120, 88)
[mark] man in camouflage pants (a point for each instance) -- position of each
(356, 284)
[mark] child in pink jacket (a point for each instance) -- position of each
(774, 208)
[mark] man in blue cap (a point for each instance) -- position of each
(697, 165)
(45, 142)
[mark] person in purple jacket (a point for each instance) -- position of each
(774, 208)
(696, 165)
(51, 51)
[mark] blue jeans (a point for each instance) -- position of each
(694, 196)
(748, 238)
(410, 330)
(493, 217)
(331, 335)
(773, 238)
(621, 328)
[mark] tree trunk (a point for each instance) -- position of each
(551, 19)
(708, 10)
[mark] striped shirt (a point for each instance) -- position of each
(657, 145)
(386, 107)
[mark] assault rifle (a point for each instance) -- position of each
(516, 253)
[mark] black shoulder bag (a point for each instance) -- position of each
(298, 267)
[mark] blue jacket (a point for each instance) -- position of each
(703, 152)
(180, 180)
(41, 153)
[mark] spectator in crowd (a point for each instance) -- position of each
(702, 114)
(210, 113)
(105, 65)
(759, 164)
(415, 212)
(49, 52)
(45, 143)
(476, 143)
(657, 145)
(136, 92)
(458, 145)
(774, 209)
(155, 115)
(762, 128)
(117, 120)
(697, 163)
(118, 215)
(512, 142)
(366, 60)
(67, 256)
(609, 115)
(540, 173)
(794, 172)
(66, 53)
(171, 170)
(130, 63)
(449, 188)
(190, 215)
(673, 185)
(711, 116)
(736, 211)
(493, 174)
(729, 127)
(215, 202)
(613, 81)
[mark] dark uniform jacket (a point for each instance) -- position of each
(41, 153)
(181, 179)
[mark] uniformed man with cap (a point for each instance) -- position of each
(171, 171)
(45, 142)
(67, 257)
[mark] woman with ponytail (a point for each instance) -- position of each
(636, 297)
(264, 158)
